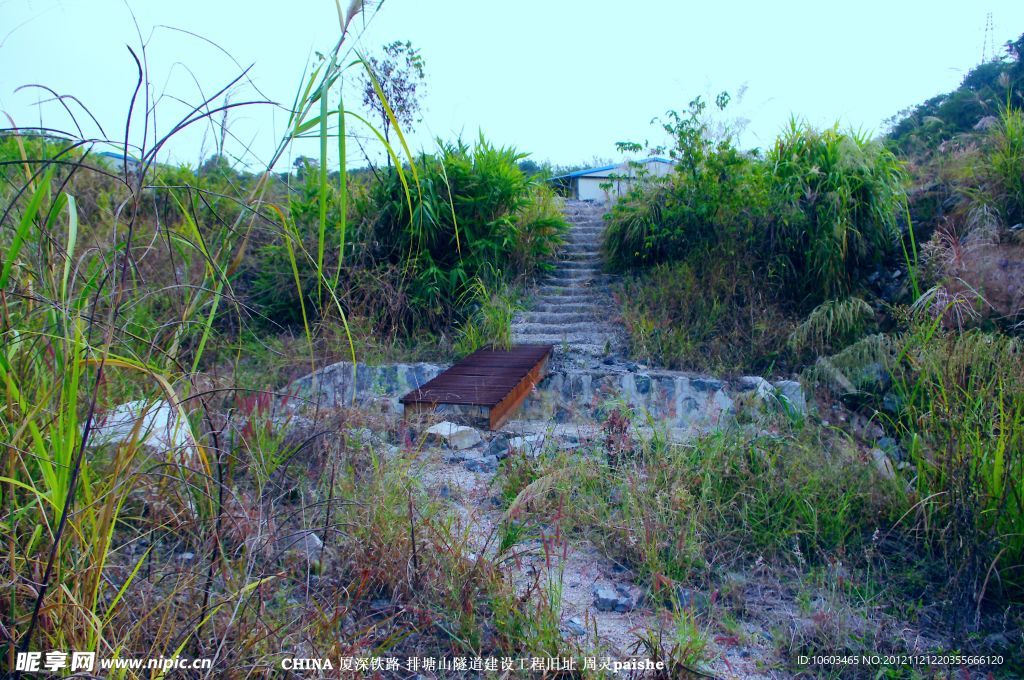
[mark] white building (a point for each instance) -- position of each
(607, 183)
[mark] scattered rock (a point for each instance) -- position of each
(498, 447)
(756, 384)
(530, 445)
(892, 448)
(891, 402)
(865, 429)
(455, 436)
(575, 627)
(692, 599)
(481, 464)
(792, 392)
(883, 464)
(618, 599)
(304, 543)
(185, 556)
(363, 435)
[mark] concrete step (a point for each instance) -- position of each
(544, 308)
(578, 265)
(573, 339)
(583, 328)
(535, 316)
(585, 271)
(582, 249)
(584, 258)
(563, 296)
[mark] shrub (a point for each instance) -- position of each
(832, 325)
(839, 196)
(713, 204)
(477, 222)
(475, 217)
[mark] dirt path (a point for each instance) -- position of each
(582, 569)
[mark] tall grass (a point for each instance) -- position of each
(1005, 165)
(962, 412)
(840, 198)
(76, 302)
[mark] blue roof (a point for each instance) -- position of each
(588, 171)
(580, 173)
(118, 156)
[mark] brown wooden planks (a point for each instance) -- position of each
(496, 379)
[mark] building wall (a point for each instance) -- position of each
(589, 186)
(590, 190)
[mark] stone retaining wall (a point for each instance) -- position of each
(670, 398)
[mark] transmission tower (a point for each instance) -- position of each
(988, 44)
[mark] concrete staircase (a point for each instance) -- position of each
(571, 307)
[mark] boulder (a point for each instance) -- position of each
(792, 393)
(156, 425)
(454, 436)
(304, 544)
(883, 464)
(574, 627)
(618, 599)
(529, 445)
(481, 464)
(498, 447)
(756, 384)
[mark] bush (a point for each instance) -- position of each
(756, 240)
(962, 412)
(475, 218)
(839, 197)
(712, 205)
(477, 225)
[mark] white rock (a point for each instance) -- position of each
(883, 464)
(157, 425)
(455, 436)
(530, 445)
(304, 543)
(793, 393)
(755, 383)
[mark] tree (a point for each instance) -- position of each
(304, 165)
(399, 73)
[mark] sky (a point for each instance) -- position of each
(561, 79)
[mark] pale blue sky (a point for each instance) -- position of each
(563, 80)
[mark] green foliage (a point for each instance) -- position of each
(832, 325)
(1003, 165)
(490, 323)
(701, 315)
(962, 411)
(712, 204)
(985, 90)
(672, 511)
(476, 218)
(839, 197)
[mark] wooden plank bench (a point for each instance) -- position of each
(497, 381)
